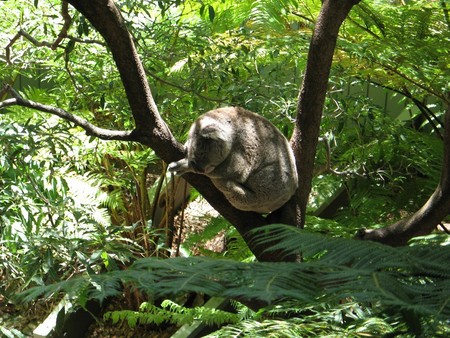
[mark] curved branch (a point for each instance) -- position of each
(52, 45)
(187, 90)
(90, 129)
(427, 112)
(411, 80)
(425, 220)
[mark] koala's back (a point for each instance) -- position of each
(259, 173)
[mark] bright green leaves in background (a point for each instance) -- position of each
(70, 204)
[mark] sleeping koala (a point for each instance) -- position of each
(245, 156)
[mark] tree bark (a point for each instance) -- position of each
(312, 98)
(425, 220)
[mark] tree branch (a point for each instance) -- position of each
(427, 112)
(52, 45)
(90, 129)
(312, 98)
(151, 130)
(67, 22)
(150, 127)
(425, 220)
(187, 90)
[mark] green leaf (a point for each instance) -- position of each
(211, 13)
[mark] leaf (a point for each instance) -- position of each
(70, 46)
(211, 13)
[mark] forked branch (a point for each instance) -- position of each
(52, 45)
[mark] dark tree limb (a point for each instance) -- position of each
(152, 130)
(311, 100)
(425, 220)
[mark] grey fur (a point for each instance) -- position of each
(245, 156)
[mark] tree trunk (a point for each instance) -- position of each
(425, 220)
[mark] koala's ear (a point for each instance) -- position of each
(211, 131)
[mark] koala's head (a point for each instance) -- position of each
(209, 144)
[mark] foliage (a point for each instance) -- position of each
(53, 222)
(291, 319)
(235, 245)
(402, 47)
(170, 312)
(387, 168)
(410, 280)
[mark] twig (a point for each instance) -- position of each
(427, 112)
(414, 82)
(446, 13)
(86, 41)
(159, 79)
(67, 22)
(52, 45)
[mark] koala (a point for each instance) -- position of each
(245, 156)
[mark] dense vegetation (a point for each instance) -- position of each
(75, 211)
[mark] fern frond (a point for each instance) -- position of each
(412, 278)
(171, 312)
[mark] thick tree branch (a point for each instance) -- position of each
(151, 129)
(425, 220)
(312, 98)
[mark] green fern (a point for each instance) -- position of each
(170, 312)
(413, 278)
(344, 287)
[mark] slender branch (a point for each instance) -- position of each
(414, 82)
(363, 28)
(446, 13)
(304, 17)
(52, 45)
(67, 22)
(87, 41)
(90, 129)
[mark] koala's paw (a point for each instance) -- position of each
(172, 167)
(178, 168)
